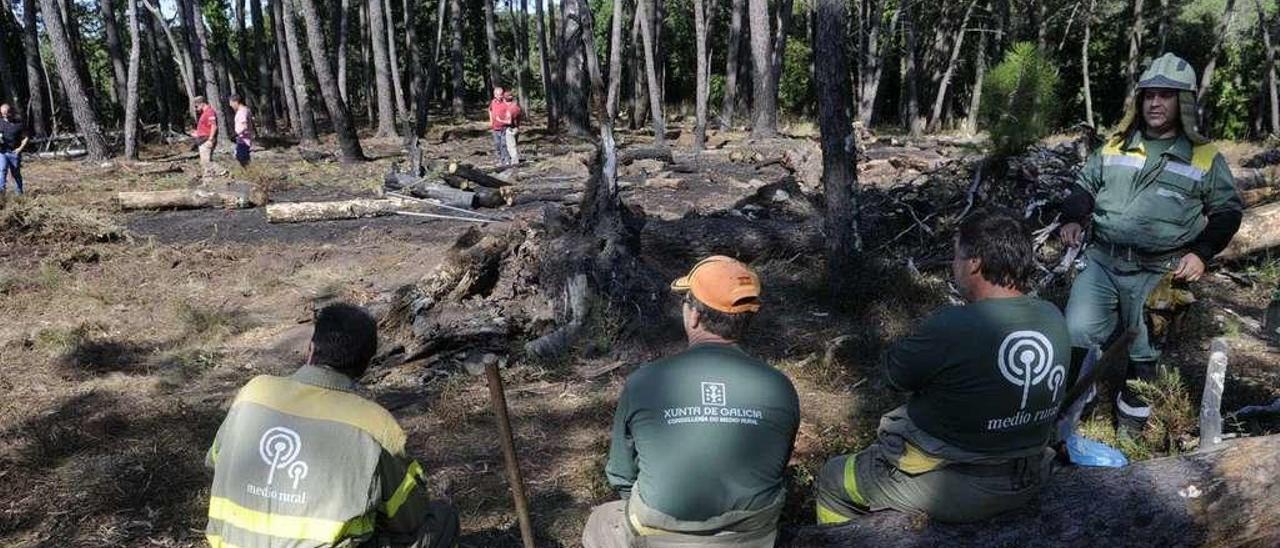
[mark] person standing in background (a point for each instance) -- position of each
(243, 129)
(498, 124)
(513, 124)
(13, 139)
(206, 134)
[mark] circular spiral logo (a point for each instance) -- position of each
(278, 447)
(1025, 360)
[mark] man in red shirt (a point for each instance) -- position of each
(513, 124)
(498, 123)
(206, 133)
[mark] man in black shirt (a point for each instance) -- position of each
(13, 139)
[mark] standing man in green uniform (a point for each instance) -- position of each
(701, 439)
(986, 380)
(1160, 201)
(304, 462)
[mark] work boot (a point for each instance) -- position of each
(1132, 411)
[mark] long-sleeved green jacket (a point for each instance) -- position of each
(304, 462)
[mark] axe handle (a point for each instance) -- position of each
(1111, 354)
(499, 399)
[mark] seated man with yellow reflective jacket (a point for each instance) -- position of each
(303, 461)
(985, 383)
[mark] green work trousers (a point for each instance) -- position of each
(870, 481)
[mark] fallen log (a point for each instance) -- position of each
(303, 212)
(476, 196)
(693, 238)
(466, 171)
(645, 153)
(235, 196)
(1225, 497)
(66, 154)
(1259, 231)
(1257, 196)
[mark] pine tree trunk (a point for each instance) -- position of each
(615, 58)
(520, 29)
(979, 74)
(72, 23)
(161, 80)
(733, 53)
(393, 52)
(382, 70)
(115, 51)
(1162, 30)
(1135, 50)
(263, 60)
(180, 57)
(368, 91)
(872, 60)
(417, 80)
(912, 75)
(491, 43)
(242, 61)
(81, 111)
(935, 119)
(544, 56)
(703, 76)
(344, 24)
(285, 66)
(782, 29)
(1084, 64)
(1206, 77)
(433, 73)
(345, 128)
(10, 92)
(637, 74)
(764, 104)
(839, 168)
(131, 82)
(307, 118)
(459, 89)
(37, 107)
(651, 70)
(1268, 43)
(574, 93)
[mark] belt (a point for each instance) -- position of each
(1136, 255)
(1012, 467)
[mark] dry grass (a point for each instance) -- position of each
(27, 221)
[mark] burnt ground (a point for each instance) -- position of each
(121, 355)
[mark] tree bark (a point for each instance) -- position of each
(872, 60)
(733, 53)
(1162, 30)
(839, 167)
(764, 103)
(615, 57)
(300, 94)
(1206, 77)
(935, 118)
(393, 53)
(703, 77)
(1217, 498)
(1269, 45)
(520, 28)
(491, 45)
(263, 60)
(572, 57)
(544, 56)
(782, 30)
(651, 71)
(304, 212)
(344, 28)
(115, 51)
(1135, 50)
(417, 80)
(639, 89)
(1259, 231)
(345, 128)
(285, 65)
(433, 72)
(459, 89)
(10, 91)
(37, 107)
(180, 57)
(237, 196)
(912, 74)
(1084, 64)
(161, 80)
(81, 110)
(131, 82)
(979, 75)
(382, 70)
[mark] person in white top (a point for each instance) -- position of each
(243, 129)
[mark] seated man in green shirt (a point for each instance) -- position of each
(701, 439)
(985, 383)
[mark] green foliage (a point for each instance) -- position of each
(795, 86)
(1231, 94)
(1020, 99)
(1173, 416)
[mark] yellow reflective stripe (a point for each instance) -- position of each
(828, 516)
(216, 541)
(410, 481)
(640, 529)
(302, 400)
(851, 480)
(1202, 156)
(292, 527)
(915, 461)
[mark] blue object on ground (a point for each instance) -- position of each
(1086, 452)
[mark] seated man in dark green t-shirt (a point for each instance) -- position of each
(701, 439)
(985, 383)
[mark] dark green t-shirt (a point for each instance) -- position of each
(987, 377)
(704, 432)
